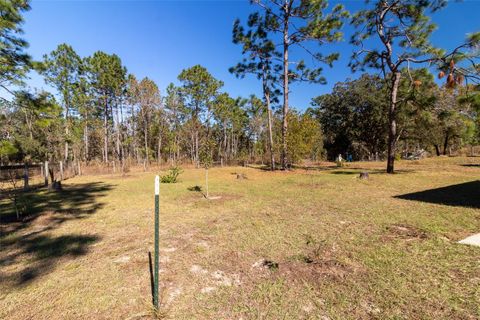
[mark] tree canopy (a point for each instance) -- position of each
(99, 112)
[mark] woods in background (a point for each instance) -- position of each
(100, 113)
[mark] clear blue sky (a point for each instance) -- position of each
(160, 38)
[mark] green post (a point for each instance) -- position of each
(157, 218)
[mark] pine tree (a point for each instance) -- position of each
(108, 79)
(61, 69)
(298, 23)
(14, 62)
(401, 30)
(199, 88)
(260, 60)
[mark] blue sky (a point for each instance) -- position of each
(160, 38)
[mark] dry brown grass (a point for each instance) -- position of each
(304, 244)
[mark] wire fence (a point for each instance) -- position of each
(15, 177)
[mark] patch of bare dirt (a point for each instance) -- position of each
(405, 231)
(214, 198)
(315, 270)
(311, 185)
(306, 269)
(120, 176)
(45, 219)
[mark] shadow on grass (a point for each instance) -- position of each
(261, 167)
(293, 167)
(197, 189)
(461, 195)
(334, 169)
(73, 201)
(37, 255)
(28, 249)
(350, 171)
(471, 165)
(314, 168)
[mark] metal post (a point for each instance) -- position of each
(157, 218)
(46, 173)
(25, 177)
(61, 170)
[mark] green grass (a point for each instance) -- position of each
(332, 246)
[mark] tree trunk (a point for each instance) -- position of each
(270, 134)
(437, 149)
(392, 119)
(174, 151)
(266, 93)
(146, 143)
(285, 83)
(192, 153)
(225, 145)
(66, 147)
(105, 137)
(118, 140)
(85, 140)
(159, 149)
(445, 144)
(66, 133)
(134, 131)
(45, 173)
(197, 163)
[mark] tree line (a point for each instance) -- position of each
(102, 113)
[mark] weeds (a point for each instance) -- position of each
(172, 175)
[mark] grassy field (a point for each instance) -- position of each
(305, 244)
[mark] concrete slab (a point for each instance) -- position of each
(472, 240)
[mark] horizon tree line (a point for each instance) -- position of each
(102, 113)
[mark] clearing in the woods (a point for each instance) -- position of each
(304, 244)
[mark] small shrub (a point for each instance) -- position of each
(126, 167)
(340, 163)
(172, 175)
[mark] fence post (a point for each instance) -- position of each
(25, 177)
(45, 170)
(157, 218)
(61, 170)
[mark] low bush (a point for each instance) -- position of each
(172, 175)
(340, 163)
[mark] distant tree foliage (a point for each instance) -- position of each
(261, 61)
(299, 23)
(430, 117)
(14, 62)
(99, 113)
(399, 33)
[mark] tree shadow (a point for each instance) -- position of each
(35, 255)
(334, 169)
(73, 202)
(197, 189)
(28, 249)
(350, 171)
(314, 168)
(461, 195)
(261, 167)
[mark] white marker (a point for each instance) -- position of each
(157, 185)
